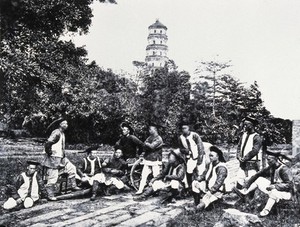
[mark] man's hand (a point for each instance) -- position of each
(271, 187)
(19, 201)
(200, 178)
(168, 177)
(241, 160)
(151, 182)
(209, 193)
(49, 152)
(115, 171)
(104, 164)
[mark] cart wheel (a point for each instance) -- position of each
(136, 174)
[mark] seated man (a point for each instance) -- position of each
(170, 179)
(89, 167)
(28, 187)
(212, 183)
(274, 180)
(113, 173)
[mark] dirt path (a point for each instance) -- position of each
(119, 210)
(115, 210)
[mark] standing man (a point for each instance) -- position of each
(28, 187)
(55, 160)
(191, 144)
(249, 152)
(129, 144)
(152, 156)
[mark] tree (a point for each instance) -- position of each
(164, 100)
(34, 62)
(213, 68)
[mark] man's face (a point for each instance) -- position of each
(92, 154)
(271, 160)
(172, 158)
(152, 130)
(125, 131)
(213, 156)
(31, 169)
(63, 125)
(118, 153)
(248, 126)
(185, 129)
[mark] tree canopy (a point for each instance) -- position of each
(43, 77)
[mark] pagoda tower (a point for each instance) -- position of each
(157, 49)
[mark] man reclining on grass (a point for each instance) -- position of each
(171, 178)
(274, 180)
(28, 189)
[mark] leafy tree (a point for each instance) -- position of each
(34, 62)
(164, 100)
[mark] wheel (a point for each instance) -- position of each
(136, 174)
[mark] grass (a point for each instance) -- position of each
(11, 166)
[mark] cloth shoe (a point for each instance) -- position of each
(74, 186)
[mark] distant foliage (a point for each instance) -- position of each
(220, 103)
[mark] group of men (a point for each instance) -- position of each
(193, 168)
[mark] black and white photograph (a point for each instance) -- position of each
(150, 113)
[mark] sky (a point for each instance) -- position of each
(260, 37)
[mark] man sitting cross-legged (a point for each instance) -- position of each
(89, 167)
(112, 176)
(274, 180)
(170, 179)
(213, 182)
(27, 189)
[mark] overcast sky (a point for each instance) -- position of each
(261, 37)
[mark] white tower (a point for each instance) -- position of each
(157, 49)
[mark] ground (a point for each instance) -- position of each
(115, 210)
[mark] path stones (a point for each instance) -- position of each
(236, 218)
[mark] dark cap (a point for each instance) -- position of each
(55, 124)
(127, 125)
(31, 162)
(219, 152)
(278, 154)
(185, 122)
(90, 149)
(252, 120)
(154, 124)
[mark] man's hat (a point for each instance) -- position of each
(252, 120)
(154, 124)
(185, 122)
(177, 154)
(219, 152)
(278, 154)
(54, 125)
(90, 149)
(31, 162)
(127, 125)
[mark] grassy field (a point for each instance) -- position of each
(13, 156)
